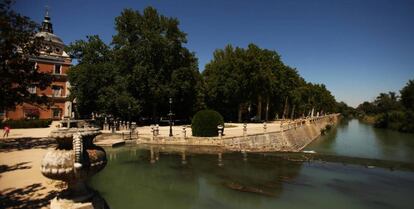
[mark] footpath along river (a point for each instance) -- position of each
(271, 180)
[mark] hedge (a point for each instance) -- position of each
(205, 123)
(36, 123)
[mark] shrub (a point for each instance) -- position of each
(37, 123)
(205, 123)
(408, 124)
(395, 120)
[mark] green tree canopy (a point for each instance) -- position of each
(18, 46)
(96, 82)
(149, 51)
(145, 65)
(407, 95)
(237, 77)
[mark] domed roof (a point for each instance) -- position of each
(50, 37)
(46, 31)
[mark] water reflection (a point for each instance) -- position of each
(235, 171)
(395, 144)
(355, 139)
(160, 177)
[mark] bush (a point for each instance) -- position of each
(37, 123)
(396, 120)
(408, 124)
(392, 120)
(205, 123)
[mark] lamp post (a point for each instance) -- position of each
(170, 115)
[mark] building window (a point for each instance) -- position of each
(31, 113)
(56, 91)
(32, 89)
(56, 113)
(58, 69)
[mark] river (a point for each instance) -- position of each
(132, 180)
(356, 139)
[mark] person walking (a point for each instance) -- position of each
(6, 131)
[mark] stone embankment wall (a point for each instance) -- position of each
(293, 136)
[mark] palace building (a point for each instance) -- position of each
(54, 60)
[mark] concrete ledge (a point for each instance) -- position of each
(110, 143)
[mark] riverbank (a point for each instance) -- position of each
(369, 119)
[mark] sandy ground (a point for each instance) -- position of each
(21, 183)
(31, 132)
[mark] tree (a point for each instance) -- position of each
(18, 45)
(387, 102)
(226, 83)
(96, 82)
(149, 51)
(407, 95)
(289, 86)
(135, 76)
(236, 78)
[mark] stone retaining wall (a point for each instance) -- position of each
(293, 137)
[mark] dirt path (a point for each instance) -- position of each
(21, 183)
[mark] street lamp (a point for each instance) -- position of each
(170, 115)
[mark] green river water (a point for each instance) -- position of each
(268, 180)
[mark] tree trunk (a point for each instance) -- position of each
(259, 108)
(240, 113)
(293, 112)
(285, 108)
(267, 109)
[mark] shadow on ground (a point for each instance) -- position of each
(8, 145)
(25, 197)
(18, 166)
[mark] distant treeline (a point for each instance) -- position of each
(390, 110)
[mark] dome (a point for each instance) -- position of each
(52, 44)
(50, 37)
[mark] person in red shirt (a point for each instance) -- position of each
(6, 131)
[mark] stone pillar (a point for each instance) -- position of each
(184, 133)
(244, 129)
(157, 130)
(152, 132)
(220, 131)
(281, 125)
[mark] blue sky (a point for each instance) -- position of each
(357, 48)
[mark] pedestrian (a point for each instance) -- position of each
(6, 130)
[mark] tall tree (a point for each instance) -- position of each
(17, 72)
(237, 78)
(96, 82)
(148, 48)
